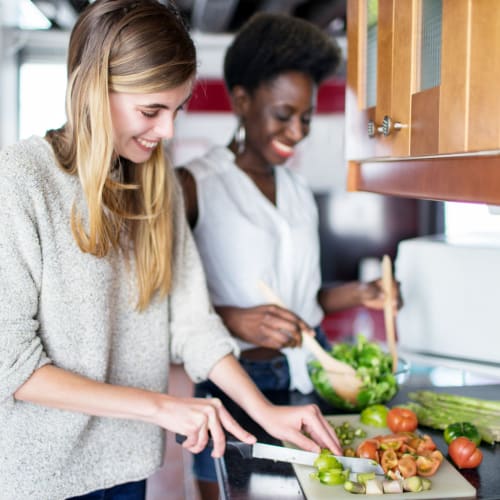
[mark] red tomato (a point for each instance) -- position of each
(464, 453)
(437, 455)
(392, 441)
(427, 466)
(425, 444)
(407, 466)
(388, 460)
(368, 449)
(401, 420)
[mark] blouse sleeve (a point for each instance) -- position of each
(199, 339)
(21, 350)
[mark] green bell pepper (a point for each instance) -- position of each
(466, 429)
(327, 462)
(332, 477)
(375, 415)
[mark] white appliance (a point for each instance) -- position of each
(451, 294)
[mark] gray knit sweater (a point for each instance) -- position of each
(61, 306)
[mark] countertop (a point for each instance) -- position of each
(255, 479)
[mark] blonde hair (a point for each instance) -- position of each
(134, 46)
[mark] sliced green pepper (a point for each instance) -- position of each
(333, 476)
(466, 429)
(327, 462)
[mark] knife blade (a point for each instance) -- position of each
(293, 455)
(302, 457)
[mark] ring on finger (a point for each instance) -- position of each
(291, 340)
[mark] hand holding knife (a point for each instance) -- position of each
(293, 455)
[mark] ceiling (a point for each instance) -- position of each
(217, 16)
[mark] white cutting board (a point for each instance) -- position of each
(446, 483)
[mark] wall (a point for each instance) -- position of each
(8, 76)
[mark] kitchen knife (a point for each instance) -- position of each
(294, 456)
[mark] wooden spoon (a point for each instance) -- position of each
(342, 376)
(390, 331)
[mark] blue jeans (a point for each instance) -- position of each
(126, 491)
(269, 375)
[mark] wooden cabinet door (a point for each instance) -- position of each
(393, 73)
(427, 77)
(470, 103)
(361, 83)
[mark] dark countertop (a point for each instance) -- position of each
(255, 479)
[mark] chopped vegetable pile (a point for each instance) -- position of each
(373, 366)
(408, 460)
(402, 454)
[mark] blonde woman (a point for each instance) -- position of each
(101, 285)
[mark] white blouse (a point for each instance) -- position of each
(243, 238)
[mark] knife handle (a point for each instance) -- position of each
(244, 449)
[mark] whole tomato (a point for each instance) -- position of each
(464, 453)
(402, 420)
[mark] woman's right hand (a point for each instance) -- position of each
(265, 325)
(199, 419)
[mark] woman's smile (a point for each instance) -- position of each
(282, 149)
(277, 117)
(148, 145)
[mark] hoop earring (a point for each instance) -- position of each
(239, 137)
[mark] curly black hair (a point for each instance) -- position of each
(270, 44)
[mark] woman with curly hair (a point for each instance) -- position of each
(254, 220)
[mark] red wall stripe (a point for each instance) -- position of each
(210, 96)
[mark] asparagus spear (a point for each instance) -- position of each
(437, 410)
(453, 401)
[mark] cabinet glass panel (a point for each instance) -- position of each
(430, 62)
(371, 52)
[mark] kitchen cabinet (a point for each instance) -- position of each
(422, 106)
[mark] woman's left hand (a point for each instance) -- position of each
(295, 423)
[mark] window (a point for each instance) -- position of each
(42, 90)
(461, 218)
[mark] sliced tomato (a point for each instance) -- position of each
(391, 445)
(368, 449)
(407, 466)
(405, 448)
(437, 455)
(392, 441)
(427, 466)
(425, 444)
(388, 460)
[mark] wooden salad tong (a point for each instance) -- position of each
(342, 376)
(389, 319)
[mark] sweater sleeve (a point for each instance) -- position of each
(199, 338)
(21, 350)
